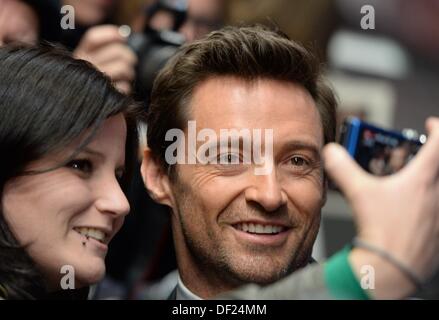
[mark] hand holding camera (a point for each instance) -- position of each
(413, 223)
(107, 49)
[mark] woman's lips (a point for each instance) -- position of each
(90, 242)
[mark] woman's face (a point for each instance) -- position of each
(66, 217)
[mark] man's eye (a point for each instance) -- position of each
(229, 158)
(84, 166)
(299, 161)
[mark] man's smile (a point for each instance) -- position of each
(264, 233)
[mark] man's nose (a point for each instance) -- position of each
(266, 191)
(112, 200)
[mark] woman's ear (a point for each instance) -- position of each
(155, 179)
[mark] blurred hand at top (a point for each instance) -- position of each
(107, 49)
(18, 22)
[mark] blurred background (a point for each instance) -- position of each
(384, 69)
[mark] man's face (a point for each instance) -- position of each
(231, 225)
(398, 158)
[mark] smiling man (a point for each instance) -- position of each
(230, 225)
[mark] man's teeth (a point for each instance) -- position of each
(259, 228)
(92, 233)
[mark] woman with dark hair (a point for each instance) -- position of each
(68, 141)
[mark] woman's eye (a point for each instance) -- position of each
(299, 161)
(84, 166)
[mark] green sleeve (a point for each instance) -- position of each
(340, 278)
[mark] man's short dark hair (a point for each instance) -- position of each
(248, 53)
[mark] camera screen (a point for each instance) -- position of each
(382, 152)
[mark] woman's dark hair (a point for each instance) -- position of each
(47, 100)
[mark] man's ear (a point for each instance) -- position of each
(155, 179)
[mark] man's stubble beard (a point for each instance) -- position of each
(217, 263)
